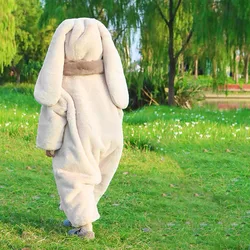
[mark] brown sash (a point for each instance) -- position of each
(79, 68)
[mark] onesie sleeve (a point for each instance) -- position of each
(51, 125)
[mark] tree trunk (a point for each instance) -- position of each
(18, 76)
(214, 68)
(17, 73)
(182, 66)
(172, 61)
(181, 72)
(246, 65)
(172, 72)
(236, 72)
(196, 67)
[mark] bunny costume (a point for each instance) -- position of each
(82, 90)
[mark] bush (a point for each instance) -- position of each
(187, 93)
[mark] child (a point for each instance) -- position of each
(82, 89)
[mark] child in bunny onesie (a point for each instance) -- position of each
(82, 90)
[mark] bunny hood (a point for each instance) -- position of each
(81, 40)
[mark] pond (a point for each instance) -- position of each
(224, 102)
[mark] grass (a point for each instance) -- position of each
(183, 182)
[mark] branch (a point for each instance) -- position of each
(119, 33)
(149, 95)
(176, 9)
(99, 13)
(161, 13)
(185, 44)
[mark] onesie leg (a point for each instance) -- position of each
(108, 166)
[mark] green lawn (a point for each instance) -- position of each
(183, 182)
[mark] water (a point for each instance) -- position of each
(226, 103)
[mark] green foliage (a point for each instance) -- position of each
(31, 69)
(187, 93)
(7, 31)
(27, 34)
(30, 40)
(120, 16)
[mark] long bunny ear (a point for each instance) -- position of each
(113, 70)
(49, 82)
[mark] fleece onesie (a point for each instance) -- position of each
(82, 90)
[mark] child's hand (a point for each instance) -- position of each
(50, 153)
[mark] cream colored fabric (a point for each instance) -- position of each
(81, 116)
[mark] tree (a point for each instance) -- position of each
(119, 16)
(176, 18)
(27, 35)
(7, 31)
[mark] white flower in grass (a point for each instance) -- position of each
(234, 134)
(7, 124)
(208, 136)
(247, 128)
(187, 123)
(27, 123)
(248, 138)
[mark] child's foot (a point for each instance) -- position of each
(81, 232)
(67, 223)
